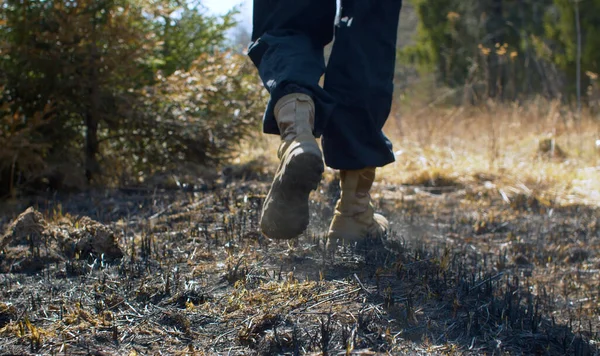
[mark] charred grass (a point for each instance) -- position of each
(463, 272)
(494, 249)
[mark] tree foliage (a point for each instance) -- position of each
(192, 117)
(513, 47)
(562, 35)
(186, 33)
(96, 84)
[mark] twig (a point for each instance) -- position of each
(333, 297)
(486, 280)
(134, 310)
(360, 283)
(222, 336)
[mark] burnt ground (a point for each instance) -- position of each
(464, 271)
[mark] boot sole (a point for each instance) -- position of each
(285, 211)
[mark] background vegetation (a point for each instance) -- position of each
(508, 50)
(116, 92)
(503, 92)
(111, 92)
(493, 199)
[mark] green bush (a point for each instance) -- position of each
(108, 91)
(197, 116)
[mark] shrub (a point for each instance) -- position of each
(195, 117)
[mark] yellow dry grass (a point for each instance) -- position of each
(539, 147)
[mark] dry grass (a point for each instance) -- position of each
(463, 274)
(483, 258)
(536, 147)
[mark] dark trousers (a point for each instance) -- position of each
(351, 108)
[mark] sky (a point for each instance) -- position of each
(222, 6)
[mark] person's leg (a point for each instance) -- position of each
(288, 38)
(360, 76)
(287, 48)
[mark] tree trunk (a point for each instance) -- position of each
(495, 35)
(91, 144)
(578, 64)
(92, 167)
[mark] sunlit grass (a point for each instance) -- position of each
(538, 147)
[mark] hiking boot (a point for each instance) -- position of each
(285, 211)
(354, 219)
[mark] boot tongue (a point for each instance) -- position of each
(355, 197)
(295, 116)
(286, 121)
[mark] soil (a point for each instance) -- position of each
(465, 270)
